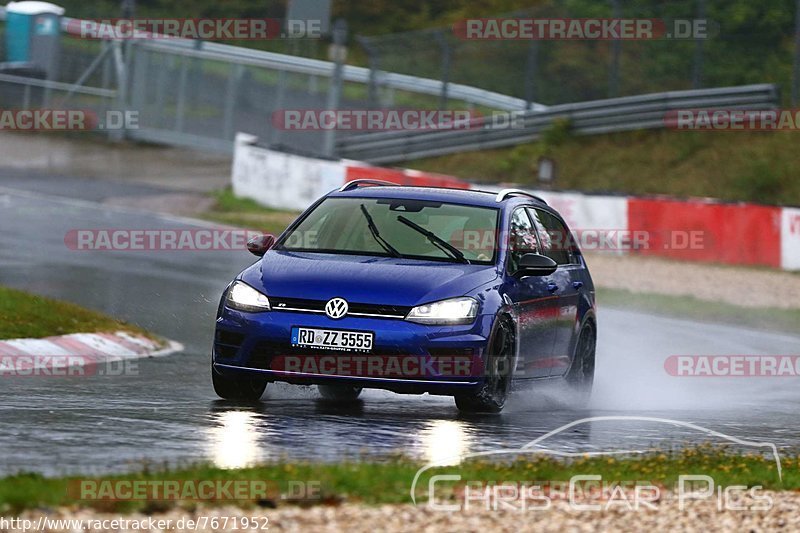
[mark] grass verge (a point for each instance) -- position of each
(390, 480)
(25, 315)
(246, 213)
(687, 307)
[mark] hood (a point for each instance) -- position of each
(364, 279)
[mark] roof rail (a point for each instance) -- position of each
(355, 184)
(505, 193)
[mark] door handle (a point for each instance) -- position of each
(577, 284)
(552, 287)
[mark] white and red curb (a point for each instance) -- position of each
(26, 356)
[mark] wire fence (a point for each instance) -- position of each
(90, 63)
(747, 43)
(199, 94)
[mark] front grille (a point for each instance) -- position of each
(354, 309)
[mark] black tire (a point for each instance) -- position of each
(339, 393)
(492, 396)
(238, 387)
(580, 377)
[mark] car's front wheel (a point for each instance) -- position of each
(238, 387)
(339, 393)
(491, 397)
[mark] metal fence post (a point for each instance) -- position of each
(106, 72)
(697, 68)
(180, 107)
(167, 65)
(195, 76)
(140, 70)
(121, 68)
(796, 64)
(335, 89)
(616, 50)
(441, 38)
(231, 89)
(278, 103)
(373, 58)
(531, 70)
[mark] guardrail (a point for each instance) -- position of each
(600, 116)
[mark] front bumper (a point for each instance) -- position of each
(406, 357)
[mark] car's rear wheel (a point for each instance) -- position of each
(580, 377)
(238, 387)
(491, 397)
(339, 393)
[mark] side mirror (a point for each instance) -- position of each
(535, 265)
(259, 245)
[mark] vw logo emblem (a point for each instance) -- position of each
(336, 308)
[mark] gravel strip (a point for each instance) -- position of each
(697, 516)
(746, 287)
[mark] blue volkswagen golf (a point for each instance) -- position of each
(414, 290)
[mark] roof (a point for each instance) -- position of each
(34, 8)
(436, 194)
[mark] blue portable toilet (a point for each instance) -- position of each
(33, 35)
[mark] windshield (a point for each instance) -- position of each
(398, 228)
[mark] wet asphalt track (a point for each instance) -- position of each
(168, 412)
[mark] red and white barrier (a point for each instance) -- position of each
(790, 238)
(288, 181)
(281, 180)
(737, 234)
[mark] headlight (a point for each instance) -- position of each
(243, 297)
(445, 312)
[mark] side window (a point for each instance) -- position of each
(521, 239)
(555, 238)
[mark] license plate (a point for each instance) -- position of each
(335, 339)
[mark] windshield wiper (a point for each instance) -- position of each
(373, 229)
(435, 240)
